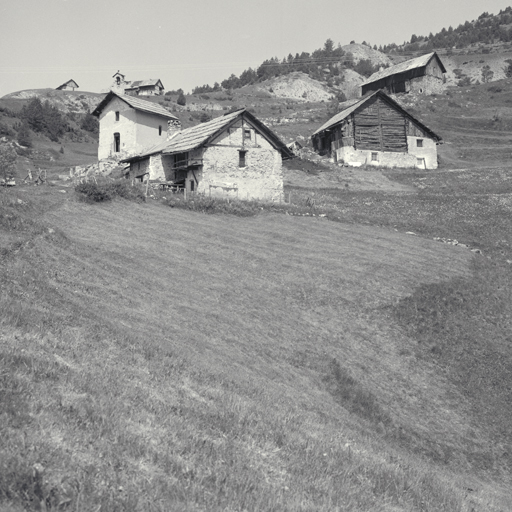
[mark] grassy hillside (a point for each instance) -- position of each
(156, 359)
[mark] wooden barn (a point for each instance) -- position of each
(424, 75)
(376, 130)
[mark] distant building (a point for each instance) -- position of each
(151, 87)
(129, 124)
(234, 156)
(70, 85)
(376, 130)
(424, 75)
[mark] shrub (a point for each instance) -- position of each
(6, 130)
(90, 124)
(24, 138)
(100, 192)
(7, 161)
(181, 100)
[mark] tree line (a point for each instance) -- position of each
(487, 29)
(325, 63)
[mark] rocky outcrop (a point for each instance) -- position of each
(297, 86)
(104, 168)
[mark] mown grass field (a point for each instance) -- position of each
(157, 358)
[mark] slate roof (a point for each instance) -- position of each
(351, 106)
(348, 107)
(136, 103)
(418, 62)
(196, 136)
(144, 83)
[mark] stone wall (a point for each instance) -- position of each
(427, 84)
(261, 178)
(424, 157)
(427, 152)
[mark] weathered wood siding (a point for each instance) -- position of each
(380, 127)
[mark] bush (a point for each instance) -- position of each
(44, 118)
(6, 130)
(101, 192)
(24, 138)
(90, 124)
(181, 100)
(7, 162)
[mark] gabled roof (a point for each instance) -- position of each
(118, 73)
(351, 107)
(71, 83)
(418, 62)
(201, 134)
(145, 83)
(136, 103)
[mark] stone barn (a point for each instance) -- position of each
(70, 85)
(129, 124)
(232, 156)
(424, 75)
(376, 130)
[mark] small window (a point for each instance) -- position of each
(117, 116)
(375, 157)
(241, 158)
(118, 80)
(419, 143)
(192, 183)
(117, 142)
(160, 130)
(247, 134)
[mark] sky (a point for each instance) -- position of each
(186, 43)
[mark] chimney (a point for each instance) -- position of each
(173, 127)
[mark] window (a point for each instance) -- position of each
(420, 161)
(419, 143)
(117, 116)
(117, 142)
(160, 130)
(241, 158)
(247, 134)
(192, 183)
(118, 80)
(375, 157)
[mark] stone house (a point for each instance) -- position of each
(232, 156)
(376, 130)
(424, 75)
(70, 85)
(129, 124)
(151, 87)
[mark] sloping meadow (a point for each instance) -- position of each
(156, 359)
